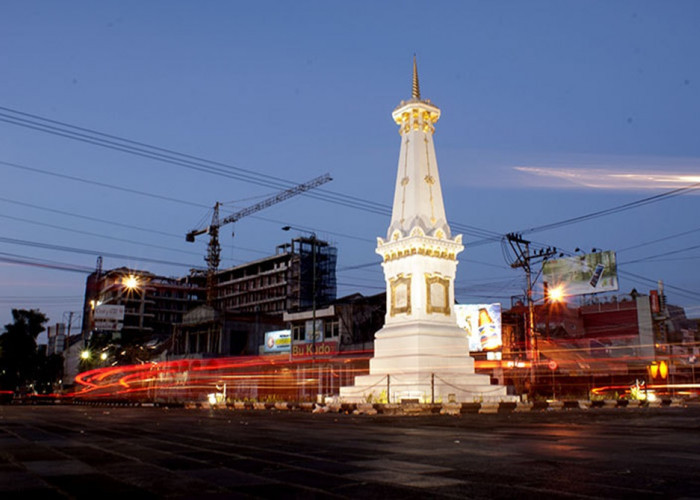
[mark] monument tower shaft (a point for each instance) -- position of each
(419, 252)
(417, 196)
(420, 353)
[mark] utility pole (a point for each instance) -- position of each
(525, 260)
(69, 321)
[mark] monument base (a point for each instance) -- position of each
(425, 388)
(423, 361)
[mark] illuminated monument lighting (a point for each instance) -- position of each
(420, 353)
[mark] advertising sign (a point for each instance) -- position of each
(654, 300)
(278, 341)
(107, 324)
(319, 349)
(482, 324)
(109, 312)
(109, 317)
(309, 330)
(583, 274)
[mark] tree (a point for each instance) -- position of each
(49, 373)
(18, 352)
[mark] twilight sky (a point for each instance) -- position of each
(550, 111)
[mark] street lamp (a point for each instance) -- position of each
(130, 282)
(552, 295)
(556, 294)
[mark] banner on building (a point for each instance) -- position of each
(310, 330)
(278, 341)
(482, 324)
(654, 301)
(583, 274)
(109, 311)
(318, 349)
(109, 317)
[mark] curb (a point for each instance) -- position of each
(411, 408)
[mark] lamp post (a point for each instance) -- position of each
(313, 283)
(313, 294)
(126, 291)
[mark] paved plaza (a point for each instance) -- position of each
(69, 451)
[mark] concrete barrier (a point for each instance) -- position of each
(507, 407)
(306, 406)
(365, 409)
(523, 406)
(451, 409)
(489, 407)
(390, 409)
(555, 405)
(470, 407)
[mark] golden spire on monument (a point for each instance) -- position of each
(416, 86)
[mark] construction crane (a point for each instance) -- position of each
(213, 257)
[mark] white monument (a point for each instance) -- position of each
(420, 353)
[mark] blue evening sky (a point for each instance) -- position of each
(551, 110)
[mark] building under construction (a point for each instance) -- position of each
(250, 299)
(286, 281)
(152, 304)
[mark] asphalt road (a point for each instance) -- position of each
(101, 452)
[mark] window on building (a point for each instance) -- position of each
(297, 332)
(333, 329)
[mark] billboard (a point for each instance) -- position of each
(309, 330)
(482, 324)
(582, 274)
(278, 341)
(109, 317)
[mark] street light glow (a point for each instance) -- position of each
(130, 282)
(556, 294)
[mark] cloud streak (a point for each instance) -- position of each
(604, 178)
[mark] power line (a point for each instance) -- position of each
(94, 137)
(47, 264)
(101, 184)
(659, 240)
(88, 233)
(617, 209)
(642, 279)
(86, 217)
(60, 248)
(664, 254)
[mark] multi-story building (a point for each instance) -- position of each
(251, 299)
(286, 281)
(57, 337)
(133, 304)
(347, 324)
(606, 339)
